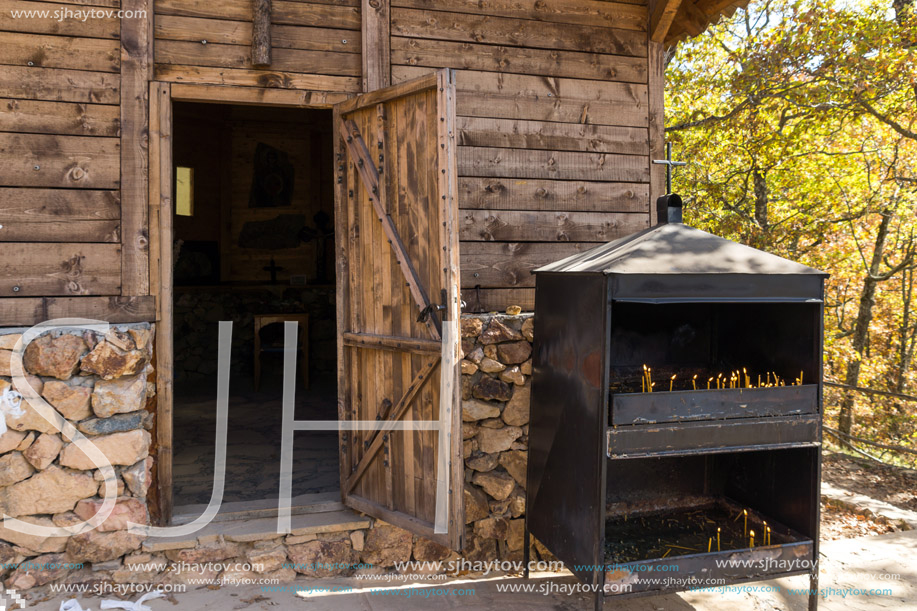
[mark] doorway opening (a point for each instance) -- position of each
(253, 243)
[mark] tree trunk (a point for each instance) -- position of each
(760, 185)
(863, 320)
(907, 333)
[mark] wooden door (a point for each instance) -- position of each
(398, 306)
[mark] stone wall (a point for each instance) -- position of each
(198, 311)
(103, 385)
(496, 387)
(495, 392)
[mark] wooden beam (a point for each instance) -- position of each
(136, 68)
(485, 193)
(405, 88)
(396, 413)
(69, 162)
(302, 61)
(18, 205)
(243, 77)
(60, 85)
(16, 311)
(62, 230)
(510, 264)
(517, 60)
(547, 226)
(496, 30)
(691, 18)
(662, 14)
(577, 12)
(160, 192)
(390, 342)
(69, 52)
(283, 12)
(377, 53)
(656, 96)
(255, 96)
(495, 162)
(518, 133)
(450, 391)
(40, 269)
(62, 118)
(261, 33)
(226, 32)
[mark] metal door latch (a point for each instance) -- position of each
(428, 311)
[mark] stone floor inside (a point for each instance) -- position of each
(253, 440)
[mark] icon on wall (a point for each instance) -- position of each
(272, 179)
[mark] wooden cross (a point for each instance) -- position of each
(273, 268)
(669, 164)
(261, 33)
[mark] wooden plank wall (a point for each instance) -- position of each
(60, 165)
(553, 128)
(315, 45)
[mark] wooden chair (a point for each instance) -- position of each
(263, 320)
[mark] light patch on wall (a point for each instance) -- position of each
(184, 191)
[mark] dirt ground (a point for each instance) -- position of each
(895, 485)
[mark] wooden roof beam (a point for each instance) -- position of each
(661, 16)
(693, 18)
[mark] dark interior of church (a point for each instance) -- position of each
(253, 244)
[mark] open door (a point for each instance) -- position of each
(398, 307)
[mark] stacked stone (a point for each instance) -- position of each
(198, 313)
(496, 387)
(102, 385)
(280, 558)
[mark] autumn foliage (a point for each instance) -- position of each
(799, 123)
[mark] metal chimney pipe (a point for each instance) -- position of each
(675, 215)
(668, 209)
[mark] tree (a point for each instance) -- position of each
(797, 118)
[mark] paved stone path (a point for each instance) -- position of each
(865, 563)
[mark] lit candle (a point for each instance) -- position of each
(709, 544)
(768, 535)
(747, 379)
(672, 382)
(694, 382)
(751, 539)
(718, 538)
(745, 521)
(710, 379)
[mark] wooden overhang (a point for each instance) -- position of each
(671, 21)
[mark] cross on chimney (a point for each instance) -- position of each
(669, 164)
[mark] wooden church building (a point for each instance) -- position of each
(385, 173)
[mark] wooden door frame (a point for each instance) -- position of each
(162, 96)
